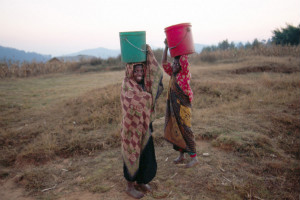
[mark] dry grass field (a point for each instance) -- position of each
(59, 134)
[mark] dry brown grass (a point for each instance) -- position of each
(44, 117)
(34, 69)
(265, 103)
(247, 119)
(80, 125)
(55, 66)
(234, 55)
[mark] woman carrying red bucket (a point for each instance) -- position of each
(178, 111)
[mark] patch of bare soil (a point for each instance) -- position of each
(100, 176)
(219, 175)
(10, 191)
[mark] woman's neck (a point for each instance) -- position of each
(142, 85)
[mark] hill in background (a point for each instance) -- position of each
(75, 58)
(97, 52)
(10, 54)
(14, 55)
(106, 53)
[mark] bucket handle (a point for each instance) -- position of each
(187, 30)
(135, 46)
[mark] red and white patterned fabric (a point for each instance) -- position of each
(138, 110)
(183, 77)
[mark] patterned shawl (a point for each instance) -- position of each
(178, 118)
(138, 109)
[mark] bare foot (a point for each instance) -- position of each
(192, 163)
(179, 159)
(134, 193)
(131, 191)
(145, 187)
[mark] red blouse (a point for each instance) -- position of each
(183, 77)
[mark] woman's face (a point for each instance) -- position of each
(138, 73)
(176, 65)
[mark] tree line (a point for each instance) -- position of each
(284, 36)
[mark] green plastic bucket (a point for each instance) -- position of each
(133, 46)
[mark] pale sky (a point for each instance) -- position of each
(60, 27)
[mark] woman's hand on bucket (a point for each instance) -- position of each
(166, 43)
(165, 53)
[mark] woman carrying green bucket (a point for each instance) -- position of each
(141, 87)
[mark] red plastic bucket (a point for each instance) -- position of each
(180, 39)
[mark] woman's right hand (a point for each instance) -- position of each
(166, 43)
(165, 53)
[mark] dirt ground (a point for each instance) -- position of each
(59, 136)
(212, 165)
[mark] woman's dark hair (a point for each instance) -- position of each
(138, 65)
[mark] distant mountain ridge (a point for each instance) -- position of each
(97, 52)
(10, 54)
(75, 58)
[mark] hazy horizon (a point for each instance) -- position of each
(64, 27)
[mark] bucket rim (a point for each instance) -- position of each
(177, 25)
(132, 32)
